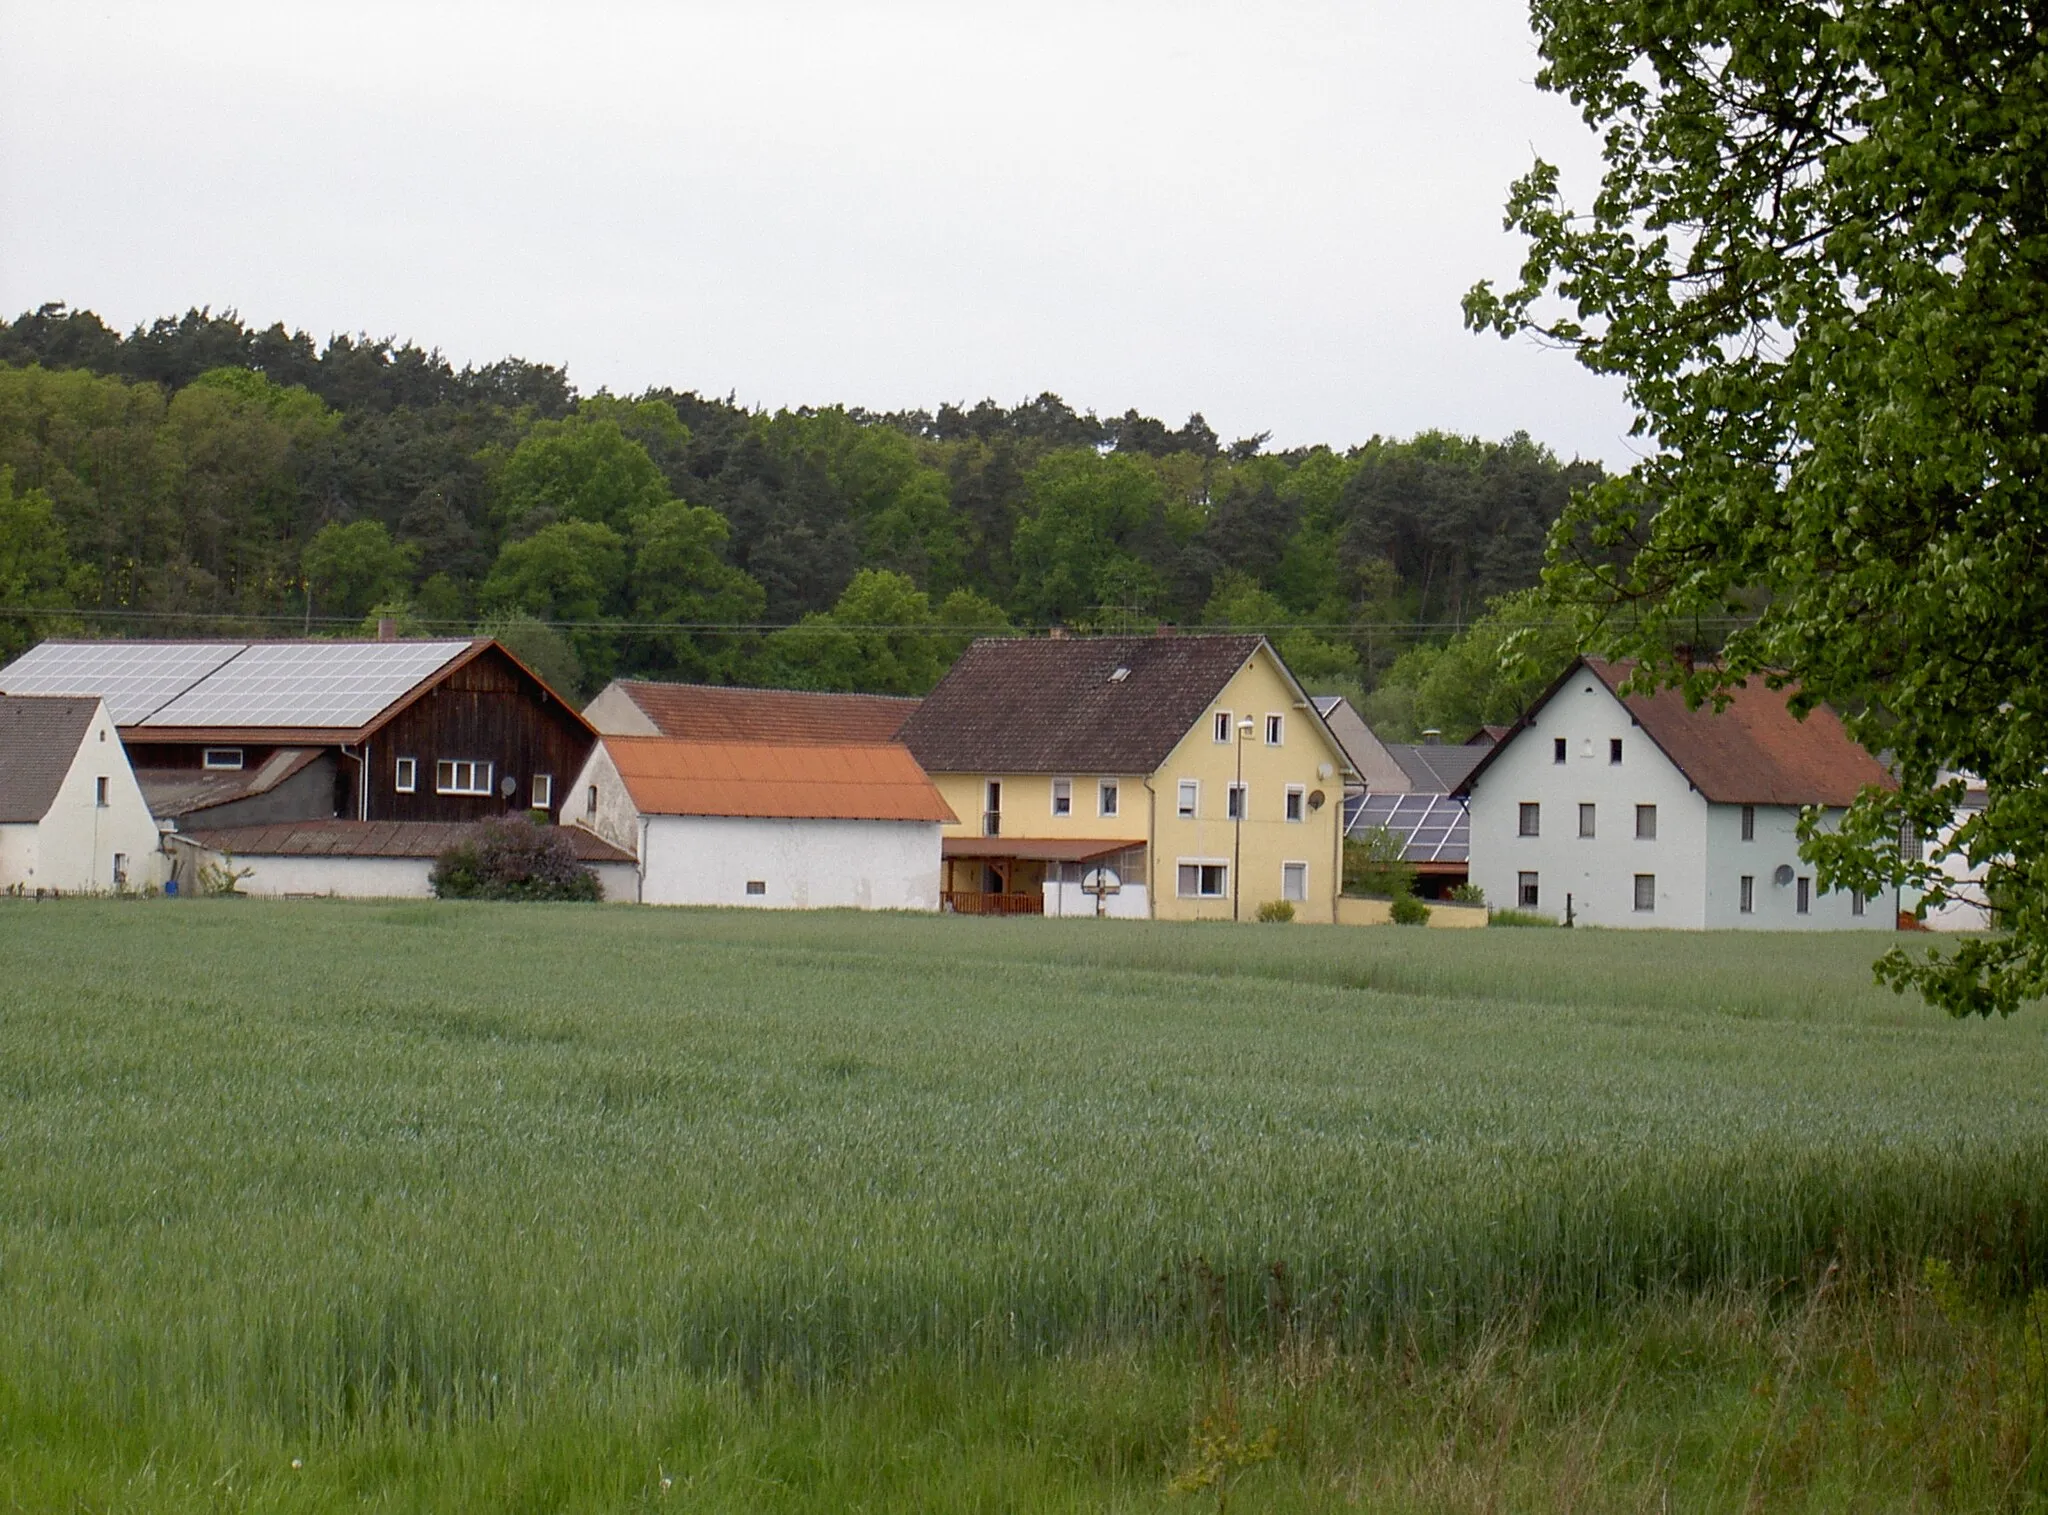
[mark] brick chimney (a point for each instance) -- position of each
(387, 629)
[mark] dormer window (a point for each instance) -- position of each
(222, 758)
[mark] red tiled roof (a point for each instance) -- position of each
(717, 713)
(374, 839)
(877, 781)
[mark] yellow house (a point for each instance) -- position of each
(1178, 777)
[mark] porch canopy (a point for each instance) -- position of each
(1034, 849)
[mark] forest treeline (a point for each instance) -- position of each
(198, 477)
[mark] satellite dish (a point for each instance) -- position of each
(508, 786)
(1100, 881)
(1783, 876)
(1315, 799)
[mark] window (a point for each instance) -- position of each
(590, 802)
(1855, 901)
(1525, 890)
(1190, 796)
(1586, 820)
(1646, 823)
(1062, 796)
(405, 776)
(1238, 799)
(221, 757)
(757, 886)
(1222, 726)
(120, 869)
(99, 792)
(1748, 904)
(1749, 823)
(1646, 891)
(1294, 882)
(462, 777)
(543, 790)
(1532, 820)
(992, 811)
(1805, 905)
(1557, 749)
(1106, 797)
(1295, 797)
(1614, 749)
(1275, 730)
(1204, 881)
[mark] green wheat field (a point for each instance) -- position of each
(310, 1206)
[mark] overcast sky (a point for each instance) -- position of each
(1264, 212)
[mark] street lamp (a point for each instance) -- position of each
(1244, 729)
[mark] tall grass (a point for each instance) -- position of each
(316, 1167)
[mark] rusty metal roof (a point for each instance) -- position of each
(719, 713)
(374, 839)
(876, 781)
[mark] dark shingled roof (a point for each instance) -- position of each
(1434, 767)
(374, 839)
(1055, 705)
(1754, 752)
(720, 713)
(39, 736)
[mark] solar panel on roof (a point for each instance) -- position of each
(1432, 828)
(308, 684)
(134, 678)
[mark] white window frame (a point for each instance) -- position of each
(1237, 801)
(449, 773)
(1528, 890)
(1063, 797)
(1297, 804)
(1199, 865)
(1529, 818)
(543, 792)
(1651, 880)
(1589, 820)
(1745, 896)
(1188, 800)
(1749, 823)
(1614, 752)
(1297, 870)
(1220, 729)
(1276, 729)
(1646, 823)
(405, 776)
(1558, 750)
(221, 759)
(1804, 906)
(1108, 797)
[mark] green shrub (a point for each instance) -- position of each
(1467, 894)
(1409, 911)
(1517, 918)
(1373, 865)
(513, 859)
(1277, 910)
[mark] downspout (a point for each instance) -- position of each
(362, 762)
(1151, 850)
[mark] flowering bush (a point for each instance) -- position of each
(513, 859)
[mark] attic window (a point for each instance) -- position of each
(1120, 675)
(221, 758)
(1221, 730)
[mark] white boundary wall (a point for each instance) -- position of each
(800, 864)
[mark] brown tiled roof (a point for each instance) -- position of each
(797, 781)
(1056, 705)
(718, 713)
(186, 791)
(374, 839)
(39, 736)
(1753, 752)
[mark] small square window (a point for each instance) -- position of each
(405, 775)
(221, 758)
(1190, 796)
(1614, 749)
(1748, 904)
(1531, 819)
(1749, 823)
(1646, 891)
(1106, 797)
(757, 886)
(1062, 796)
(1294, 882)
(1236, 808)
(1646, 823)
(543, 791)
(1295, 800)
(1275, 730)
(1221, 727)
(1586, 815)
(1557, 749)
(1525, 890)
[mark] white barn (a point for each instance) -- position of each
(1637, 812)
(776, 825)
(343, 859)
(72, 817)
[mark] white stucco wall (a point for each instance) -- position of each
(1128, 903)
(72, 849)
(1698, 857)
(372, 877)
(803, 864)
(614, 819)
(1968, 909)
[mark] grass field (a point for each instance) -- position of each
(538, 1207)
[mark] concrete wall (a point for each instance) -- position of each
(614, 818)
(72, 849)
(1131, 902)
(361, 877)
(802, 864)
(1442, 916)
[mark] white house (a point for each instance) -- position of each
(1968, 906)
(1637, 811)
(72, 817)
(780, 825)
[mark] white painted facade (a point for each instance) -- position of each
(1967, 908)
(1696, 860)
(280, 876)
(85, 844)
(797, 864)
(1130, 902)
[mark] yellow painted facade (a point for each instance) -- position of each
(1200, 862)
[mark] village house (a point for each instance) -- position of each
(1615, 810)
(1407, 792)
(1190, 775)
(72, 817)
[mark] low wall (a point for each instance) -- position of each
(1352, 911)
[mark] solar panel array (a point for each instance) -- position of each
(134, 678)
(1433, 828)
(319, 685)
